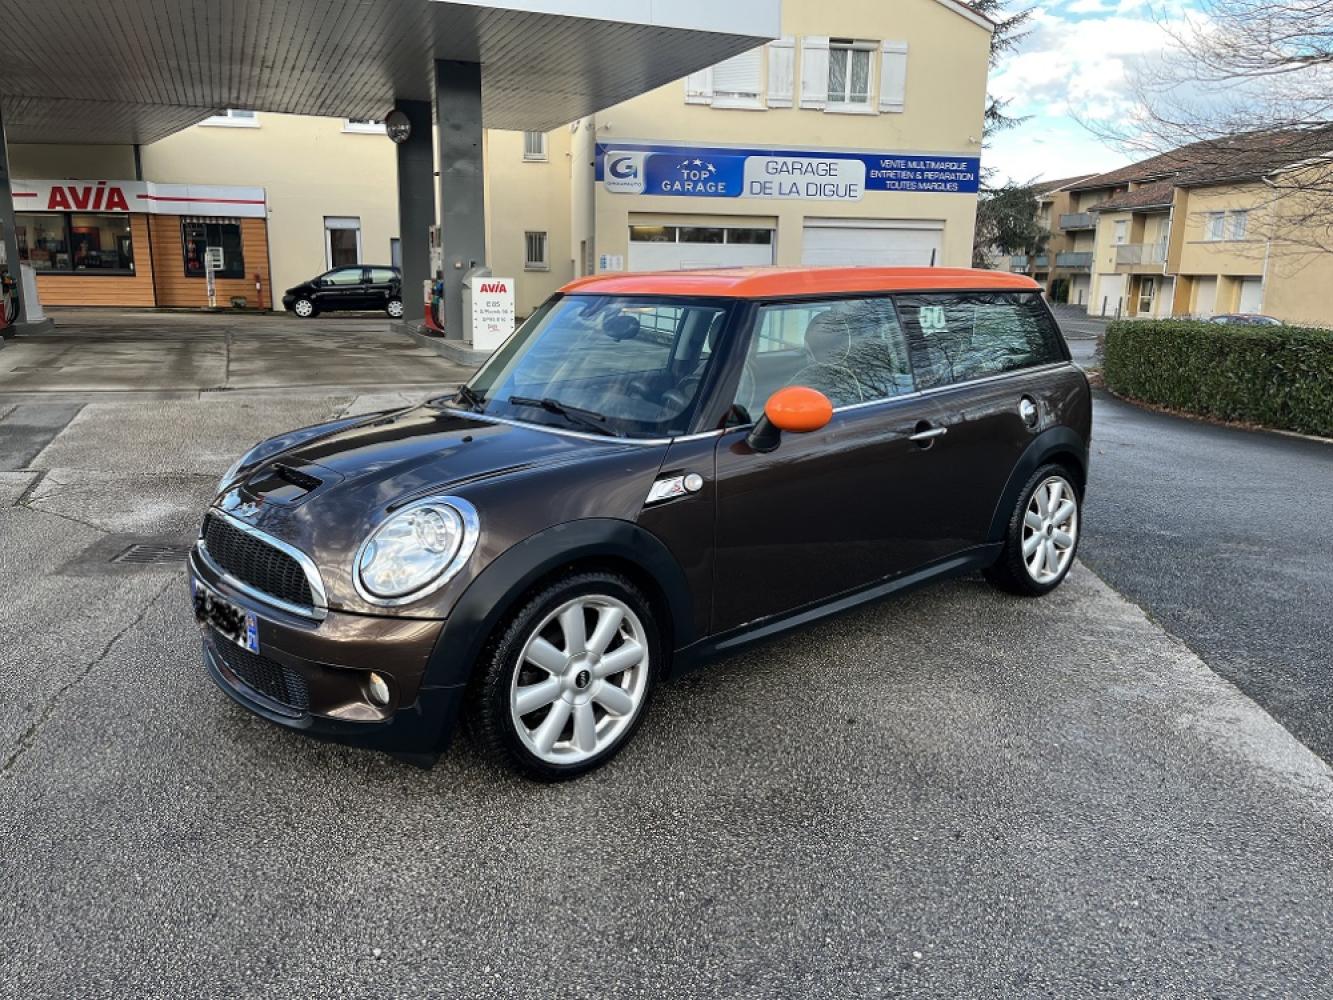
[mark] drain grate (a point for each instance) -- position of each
(143, 554)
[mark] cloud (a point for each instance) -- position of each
(1075, 64)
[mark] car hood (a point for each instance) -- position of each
(326, 493)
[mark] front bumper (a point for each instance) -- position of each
(288, 301)
(312, 675)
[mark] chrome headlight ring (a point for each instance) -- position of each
(449, 564)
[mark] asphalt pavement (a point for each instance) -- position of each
(953, 794)
(1225, 537)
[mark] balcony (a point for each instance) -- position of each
(1140, 258)
(1074, 260)
(1072, 221)
(1022, 263)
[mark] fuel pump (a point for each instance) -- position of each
(434, 290)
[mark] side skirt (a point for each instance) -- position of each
(699, 653)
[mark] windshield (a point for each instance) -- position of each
(629, 366)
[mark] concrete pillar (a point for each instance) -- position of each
(462, 182)
(11, 239)
(416, 205)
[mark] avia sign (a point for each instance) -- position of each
(139, 196)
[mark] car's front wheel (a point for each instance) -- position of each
(566, 683)
(304, 308)
(1042, 536)
(394, 308)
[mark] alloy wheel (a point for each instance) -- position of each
(581, 680)
(304, 309)
(395, 309)
(1050, 530)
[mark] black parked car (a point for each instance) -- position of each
(361, 288)
(654, 469)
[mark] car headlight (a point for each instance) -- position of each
(416, 551)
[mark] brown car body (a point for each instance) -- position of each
(769, 539)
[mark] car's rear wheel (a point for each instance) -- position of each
(304, 308)
(394, 308)
(1042, 537)
(567, 681)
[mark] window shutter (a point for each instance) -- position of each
(782, 72)
(739, 80)
(893, 76)
(814, 73)
(699, 87)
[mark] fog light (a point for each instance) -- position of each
(379, 689)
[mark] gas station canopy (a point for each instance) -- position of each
(134, 71)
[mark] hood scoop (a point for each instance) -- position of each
(284, 484)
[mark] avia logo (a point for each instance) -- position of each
(100, 197)
(494, 287)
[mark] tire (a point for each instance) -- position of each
(304, 309)
(394, 308)
(551, 741)
(1049, 561)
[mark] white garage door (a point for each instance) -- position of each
(1251, 295)
(1205, 297)
(861, 243)
(687, 248)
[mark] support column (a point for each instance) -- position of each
(462, 182)
(416, 206)
(11, 239)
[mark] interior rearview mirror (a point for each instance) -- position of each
(797, 409)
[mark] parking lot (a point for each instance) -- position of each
(955, 793)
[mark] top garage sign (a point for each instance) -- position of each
(801, 175)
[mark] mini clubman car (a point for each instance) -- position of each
(653, 470)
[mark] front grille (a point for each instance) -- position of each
(268, 677)
(256, 563)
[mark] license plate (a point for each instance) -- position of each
(226, 619)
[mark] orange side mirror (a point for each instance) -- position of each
(798, 409)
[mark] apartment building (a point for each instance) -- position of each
(853, 139)
(1214, 227)
(1064, 266)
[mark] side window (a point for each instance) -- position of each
(966, 335)
(851, 350)
(382, 276)
(344, 276)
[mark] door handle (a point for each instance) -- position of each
(929, 435)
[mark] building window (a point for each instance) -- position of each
(701, 234)
(199, 235)
(1121, 232)
(849, 74)
(396, 253)
(1240, 224)
(534, 146)
(234, 118)
(342, 241)
(1215, 226)
(738, 82)
(99, 244)
(535, 252)
(367, 126)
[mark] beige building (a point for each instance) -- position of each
(1064, 267)
(1212, 228)
(854, 139)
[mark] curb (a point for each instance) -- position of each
(457, 351)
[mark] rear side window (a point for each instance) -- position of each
(959, 336)
(382, 276)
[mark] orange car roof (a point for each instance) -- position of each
(779, 282)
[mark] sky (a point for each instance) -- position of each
(1075, 63)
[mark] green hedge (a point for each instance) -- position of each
(1278, 376)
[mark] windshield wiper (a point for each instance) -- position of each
(590, 419)
(470, 397)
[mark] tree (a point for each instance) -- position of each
(1007, 223)
(1010, 29)
(1244, 91)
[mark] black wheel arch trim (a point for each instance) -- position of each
(490, 597)
(1057, 444)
